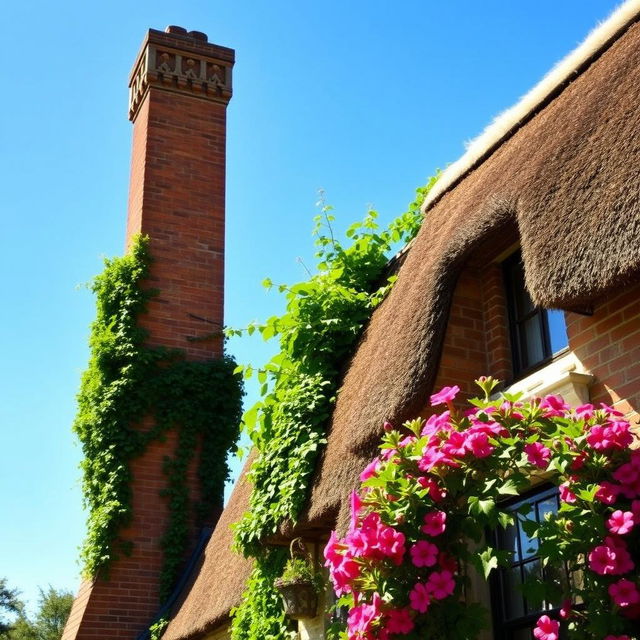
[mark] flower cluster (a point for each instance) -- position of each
(421, 516)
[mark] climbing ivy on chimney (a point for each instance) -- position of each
(132, 395)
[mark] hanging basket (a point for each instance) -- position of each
(300, 598)
(298, 585)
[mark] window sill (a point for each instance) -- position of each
(564, 376)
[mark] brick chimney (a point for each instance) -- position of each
(180, 86)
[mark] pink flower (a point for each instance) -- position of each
(566, 495)
(554, 406)
(434, 523)
(419, 597)
(611, 558)
(343, 574)
(478, 444)
(436, 424)
(546, 629)
(432, 456)
(332, 552)
(584, 411)
(621, 522)
(424, 554)
(356, 505)
(370, 470)
(447, 562)
(445, 396)
(624, 593)
(362, 617)
(602, 560)
(391, 543)
(455, 445)
(626, 474)
(607, 493)
(538, 454)
(399, 621)
(623, 561)
(614, 435)
(436, 493)
(441, 584)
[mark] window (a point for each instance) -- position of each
(536, 334)
(515, 617)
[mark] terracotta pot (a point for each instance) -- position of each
(300, 598)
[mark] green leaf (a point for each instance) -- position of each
(508, 488)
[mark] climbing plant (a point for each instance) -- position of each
(323, 319)
(131, 395)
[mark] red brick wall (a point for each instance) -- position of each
(476, 341)
(177, 198)
(464, 355)
(608, 345)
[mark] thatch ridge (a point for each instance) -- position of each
(506, 123)
(221, 576)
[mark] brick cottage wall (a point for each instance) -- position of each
(180, 87)
(606, 343)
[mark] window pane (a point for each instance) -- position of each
(509, 542)
(549, 505)
(532, 338)
(557, 330)
(528, 545)
(532, 571)
(513, 599)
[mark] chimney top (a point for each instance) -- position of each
(181, 31)
(181, 61)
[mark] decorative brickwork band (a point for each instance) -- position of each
(181, 62)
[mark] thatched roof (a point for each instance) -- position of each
(564, 169)
(570, 179)
(221, 577)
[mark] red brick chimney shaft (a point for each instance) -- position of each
(180, 87)
(179, 90)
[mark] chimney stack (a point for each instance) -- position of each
(180, 86)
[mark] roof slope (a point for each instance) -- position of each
(570, 179)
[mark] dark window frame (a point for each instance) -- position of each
(504, 627)
(514, 286)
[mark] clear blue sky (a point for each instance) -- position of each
(364, 98)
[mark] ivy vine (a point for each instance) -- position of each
(324, 318)
(127, 382)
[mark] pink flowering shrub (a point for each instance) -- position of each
(420, 518)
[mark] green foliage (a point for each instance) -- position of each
(157, 629)
(297, 570)
(9, 603)
(127, 382)
(261, 616)
(48, 623)
(323, 320)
